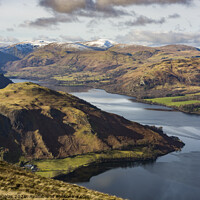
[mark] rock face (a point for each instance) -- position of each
(37, 123)
(4, 81)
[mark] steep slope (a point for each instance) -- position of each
(4, 58)
(4, 81)
(37, 123)
(16, 183)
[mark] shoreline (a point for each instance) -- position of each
(53, 85)
(174, 108)
(52, 168)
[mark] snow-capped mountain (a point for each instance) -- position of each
(23, 48)
(101, 43)
(3, 45)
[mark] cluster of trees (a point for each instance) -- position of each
(192, 108)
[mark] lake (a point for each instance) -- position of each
(16, 80)
(174, 176)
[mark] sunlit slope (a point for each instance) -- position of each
(128, 69)
(38, 123)
(16, 183)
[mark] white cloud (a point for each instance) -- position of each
(160, 38)
(44, 22)
(143, 20)
(8, 39)
(67, 38)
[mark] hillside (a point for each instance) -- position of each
(127, 69)
(16, 183)
(4, 81)
(39, 123)
(4, 58)
(139, 71)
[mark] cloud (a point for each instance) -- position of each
(174, 16)
(45, 38)
(65, 11)
(86, 8)
(8, 40)
(100, 6)
(92, 23)
(160, 38)
(10, 29)
(48, 21)
(143, 20)
(65, 6)
(97, 9)
(105, 3)
(66, 38)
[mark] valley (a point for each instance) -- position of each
(63, 145)
(138, 71)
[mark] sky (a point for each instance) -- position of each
(141, 22)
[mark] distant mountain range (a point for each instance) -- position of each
(133, 70)
(22, 49)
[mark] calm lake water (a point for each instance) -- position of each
(23, 80)
(175, 176)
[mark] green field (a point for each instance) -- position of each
(53, 167)
(187, 103)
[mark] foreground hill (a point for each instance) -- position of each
(16, 183)
(39, 123)
(4, 81)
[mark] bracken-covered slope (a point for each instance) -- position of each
(127, 69)
(16, 183)
(38, 123)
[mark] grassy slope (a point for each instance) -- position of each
(16, 183)
(45, 124)
(133, 70)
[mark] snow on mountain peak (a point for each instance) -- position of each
(100, 43)
(35, 43)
